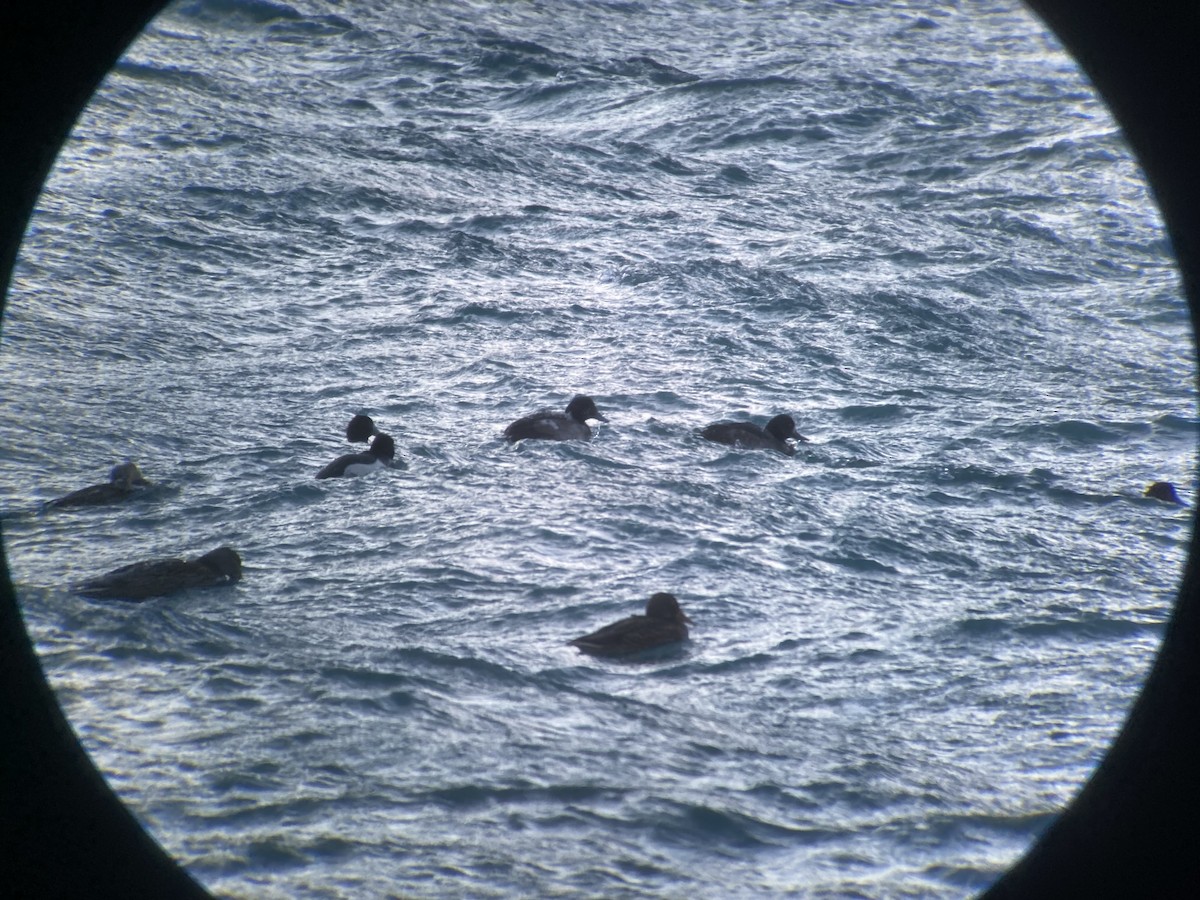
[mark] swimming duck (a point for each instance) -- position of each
(378, 456)
(361, 429)
(122, 481)
(664, 623)
(1164, 490)
(747, 435)
(557, 426)
(159, 577)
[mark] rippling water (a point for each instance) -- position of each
(913, 227)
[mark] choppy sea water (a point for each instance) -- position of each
(914, 227)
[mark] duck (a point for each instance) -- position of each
(378, 456)
(571, 425)
(1165, 491)
(664, 623)
(747, 435)
(160, 577)
(123, 480)
(361, 429)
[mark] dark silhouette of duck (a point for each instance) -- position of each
(123, 481)
(664, 623)
(160, 577)
(548, 425)
(378, 456)
(1165, 491)
(749, 436)
(361, 429)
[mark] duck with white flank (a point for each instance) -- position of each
(378, 456)
(749, 436)
(160, 577)
(123, 480)
(548, 425)
(664, 623)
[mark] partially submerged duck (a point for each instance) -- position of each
(1165, 491)
(160, 577)
(361, 429)
(571, 425)
(123, 480)
(664, 623)
(378, 456)
(774, 436)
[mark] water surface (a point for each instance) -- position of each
(913, 227)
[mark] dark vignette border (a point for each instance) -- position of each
(1132, 831)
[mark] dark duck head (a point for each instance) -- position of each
(784, 428)
(383, 448)
(361, 429)
(582, 408)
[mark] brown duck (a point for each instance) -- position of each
(774, 436)
(123, 480)
(159, 577)
(664, 623)
(1165, 491)
(547, 425)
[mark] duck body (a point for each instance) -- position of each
(747, 435)
(378, 456)
(160, 577)
(1165, 491)
(548, 425)
(664, 623)
(123, 482)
